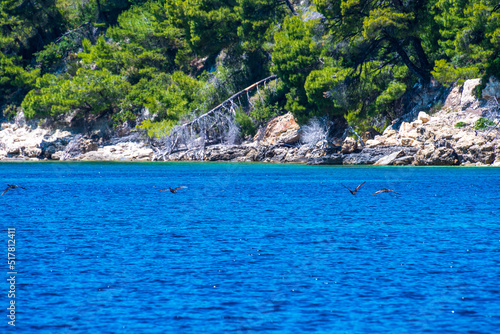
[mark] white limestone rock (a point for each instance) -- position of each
(424, 117)
(389, 159)
(468, 99)
(372, 143)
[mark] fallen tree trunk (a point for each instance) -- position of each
(229, 100)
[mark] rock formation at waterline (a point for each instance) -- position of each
(457, 134)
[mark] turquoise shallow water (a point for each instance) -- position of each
(252, 248)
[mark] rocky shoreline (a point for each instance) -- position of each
(449, 136)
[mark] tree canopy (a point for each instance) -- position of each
(351, 59)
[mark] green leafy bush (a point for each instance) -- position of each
(460, 125)
(392, 93)
(14, 78)
(483, 123)
(296, 103)
(319, 82)
(272, 103)
(156, 129)
(446, 73)
(89, 92)
(166, 96)
(245, 123)
(295, 53)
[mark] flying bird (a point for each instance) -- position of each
(384, 190)
(173, 191)
(11, 186)
(355, 190)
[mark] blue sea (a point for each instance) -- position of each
(250, 248)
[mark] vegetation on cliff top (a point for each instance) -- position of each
(337, 58)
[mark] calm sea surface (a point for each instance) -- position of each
(251, 248)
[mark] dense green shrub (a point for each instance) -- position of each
(14, 79)
(483, 123)
(245, 123)
(89, 92)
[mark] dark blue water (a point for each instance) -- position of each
(251, 248)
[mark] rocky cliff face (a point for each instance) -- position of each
(22, 140)
(455, 135)
(458, 134)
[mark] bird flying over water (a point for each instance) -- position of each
(173, 191)
(11, 186)
(384, 190)
(355, 190)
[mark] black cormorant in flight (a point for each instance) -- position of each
(355, 190)
(11, 186)
(173, 191)
(384, 190)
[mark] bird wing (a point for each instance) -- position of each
(393, 191)
(378, 192)
(8, 188)
(22, 187)
(346, 188)
(179, 188)
(360, 186)
(164, 189)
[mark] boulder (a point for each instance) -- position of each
(297, 154)
(13, 150)
(389, 132)
(279, 154)
(349, 145)
(407, 141)
(404, 161)
(405, 127)
(389, 159)
(142, 154)
(333, 159)
(32, 152)
(88, 145)
(422, 116)
(466, 141)
(251, 154)
(487, 157)
(370, 155)
(282, 129)
(225, 152)
(496, 162)
(417, 123)
(373, 142)
(369, 134)
(96, 156)
(452, 102)
(57, 155)
(296, 159)
(436, 156)
(468, 100)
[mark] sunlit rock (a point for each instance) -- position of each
(424, 117)
(405, 127)
(389, 159)
(436, 156)
(281, 129)
(468, 99)
(416, 124)
(349, 145)
(373, 142)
